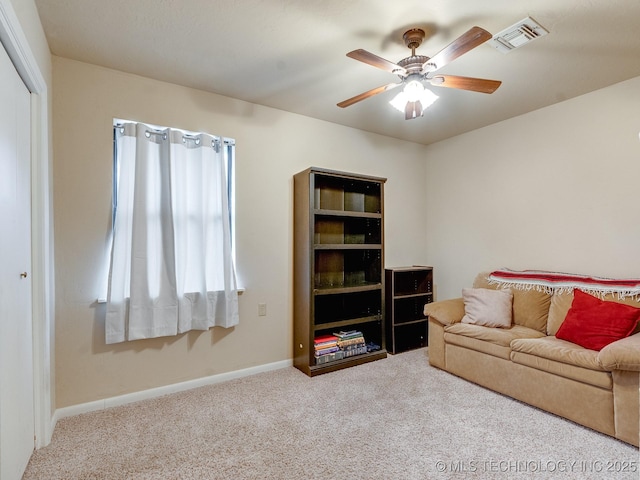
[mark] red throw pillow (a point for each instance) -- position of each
(593, 323)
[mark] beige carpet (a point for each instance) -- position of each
(396, 418)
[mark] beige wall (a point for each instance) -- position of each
(555, 189)
(272, 145)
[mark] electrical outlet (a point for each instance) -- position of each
(262, 309)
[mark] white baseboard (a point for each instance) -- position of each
(61, 413)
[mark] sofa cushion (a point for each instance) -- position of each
(558, 350)
(470, 343)
(563, 358)
(584, 375)
(493, 341)
(497, 336)
(594, 323)
(530, 307)
(488, 307)
(560, 305)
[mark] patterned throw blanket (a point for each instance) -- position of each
(565, 282)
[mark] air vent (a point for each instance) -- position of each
(517, 35)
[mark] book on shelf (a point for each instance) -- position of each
(329, 357)
(352, 337)
(325, 342)
(325, 339)
(342, 335)
(350, 342)
(324, 351)
(355, 350)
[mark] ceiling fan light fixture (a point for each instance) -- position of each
(416, 95)
(413, 90)
(413, 110)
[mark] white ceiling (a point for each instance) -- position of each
(290, 54)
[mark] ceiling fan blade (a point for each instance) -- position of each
(376, 61)
(481, 85)
(368, 94)
(461, 45)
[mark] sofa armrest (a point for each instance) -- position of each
(446, 311)
(623, 354)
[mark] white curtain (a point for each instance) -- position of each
(171, 261)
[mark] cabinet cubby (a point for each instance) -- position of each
(410, 308)
(337, 268)
(410, 336)
(346, 230)
(351, 308)
(347, 194)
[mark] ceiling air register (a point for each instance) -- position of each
(517, 35)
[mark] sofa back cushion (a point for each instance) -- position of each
(561, 303)
(530, 307)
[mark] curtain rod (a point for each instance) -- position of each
(185, 135)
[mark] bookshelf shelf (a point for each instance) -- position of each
(342, 213)
(341, 324)
(345, 363)
(347, 246)
(334, 290)
(338, 264)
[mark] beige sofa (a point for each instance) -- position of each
(597, 389)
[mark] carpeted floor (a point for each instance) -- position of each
(396, 418)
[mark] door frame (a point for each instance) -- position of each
(17, 46)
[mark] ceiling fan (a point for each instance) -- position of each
(416, 69)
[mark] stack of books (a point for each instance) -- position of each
(341, 345)
(327, 349)
(351, 343)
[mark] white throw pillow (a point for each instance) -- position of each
(487, 307)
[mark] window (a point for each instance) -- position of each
(172, 260)
(229, 155)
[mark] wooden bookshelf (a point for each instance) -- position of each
(338, 263)
(408, 290)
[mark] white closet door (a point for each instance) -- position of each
(16, 340)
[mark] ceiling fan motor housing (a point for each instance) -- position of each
(413, 38)
(413, 64)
